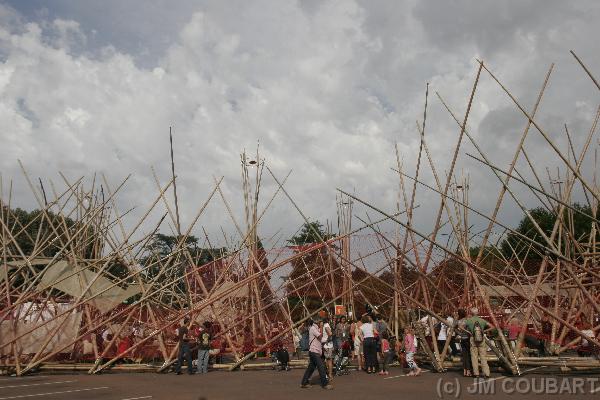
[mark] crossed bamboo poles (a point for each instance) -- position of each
(568, 265)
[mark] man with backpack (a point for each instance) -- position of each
(315, 350)
(477, 327)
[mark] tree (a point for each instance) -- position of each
(310, 233)
(575, 222)
(169, 269)
(29, 226)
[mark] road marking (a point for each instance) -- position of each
(12, 378)
(138, 398)
(503, 377)
(51, 393)
(400, 376)
(35, 384)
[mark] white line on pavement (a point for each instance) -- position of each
(138, 398)
(12, 378)
(400, 376)
(51, 393)
(35, 384)
(503, 377)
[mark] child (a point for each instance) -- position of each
(410, 350)
(387, 353)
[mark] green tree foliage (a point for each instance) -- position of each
(310, 233)
(162, 245)
(29, 226)
(576, 223)
(167, 262)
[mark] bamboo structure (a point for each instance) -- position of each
(84, 285)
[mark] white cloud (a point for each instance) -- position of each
(326, 88)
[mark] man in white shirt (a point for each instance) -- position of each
(314, 356)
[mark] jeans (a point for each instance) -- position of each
(203, 356)
(451, 347)
(465, 350)
(315, 361)
(184, 349)
(388, 358)
(337, 343)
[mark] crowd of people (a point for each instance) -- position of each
(367, 340)
(370, 344)
(374, 347)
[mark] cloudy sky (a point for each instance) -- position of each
(326, 87)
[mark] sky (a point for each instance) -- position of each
(325, 88)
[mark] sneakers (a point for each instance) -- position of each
(307, 385)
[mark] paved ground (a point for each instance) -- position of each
(285, 385)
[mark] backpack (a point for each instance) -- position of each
(304, 341)
(205, 339)
(477, 333)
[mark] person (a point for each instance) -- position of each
(297, 338)
(443, 335)
(327, 341)
(341, 333)
(380, 325)
(388, 353)
(358, 344)
(410, 349)
(369, 346)
(513, 329)
(477, 327)
(303, 339)
(586, 348)
(279, 351)
(464, 338)
(204, 338)
(314, 357)
(125, 343)
(248, 342)
(184, 347)
(546, 326)
(426, 323)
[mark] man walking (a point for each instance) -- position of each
(184, 347)
(477, 327)
(314, 356)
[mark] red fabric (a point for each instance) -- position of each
(124, 344)
(385, 345)
(513, 331)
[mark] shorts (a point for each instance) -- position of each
(358, 348)
(328, 353)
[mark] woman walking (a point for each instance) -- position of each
(358, 343)
(410, 349)
(368, 332)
